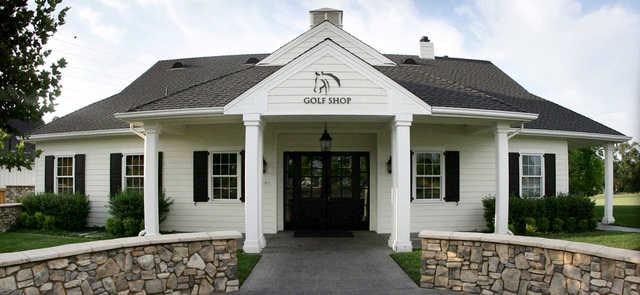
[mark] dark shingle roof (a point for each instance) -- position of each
(215, 81)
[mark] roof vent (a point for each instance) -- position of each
(177, 65)
(252, 61)
(409, 61)
(426, 48)
(318, 16)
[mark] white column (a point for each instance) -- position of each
(151, 218)
(253, 177)
(608, 185)
(502, 179)
(401, 173)
(262, 240)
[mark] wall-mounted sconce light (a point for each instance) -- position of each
(264, 166)
(389, 165)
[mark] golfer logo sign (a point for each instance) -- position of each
(323, 82)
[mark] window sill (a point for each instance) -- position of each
(428, 201)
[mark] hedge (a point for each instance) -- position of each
(49, 211)
(543, 215)
(127, 212)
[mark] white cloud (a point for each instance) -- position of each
(586, 61)
(94, 20)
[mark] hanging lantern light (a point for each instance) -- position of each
(325, 140)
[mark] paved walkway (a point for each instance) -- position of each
(609, 227)
(358, 265)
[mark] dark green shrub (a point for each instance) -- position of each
(38, 220)
(571, 225)
(26, 220)
(131, 226)
(544, 210)
(69, 211)
(49, 222)
(583, 225)
(530, 225)
(543, 225)
(557, 225)
(489, 204)
(114, 226)
(127, 210)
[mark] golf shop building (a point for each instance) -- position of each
(323, 133)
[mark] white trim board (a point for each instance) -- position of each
(573, 135)
(79, 134)
(271, 60)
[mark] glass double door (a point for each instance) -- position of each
(326, 190)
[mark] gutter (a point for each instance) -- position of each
(170, 113)
(575, 135)
(79, 134)
(482, 114)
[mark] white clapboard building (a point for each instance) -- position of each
(323, 133)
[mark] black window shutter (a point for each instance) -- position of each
(452, 176)
(242, 176)
(115, 173)
(514, 174)
(79, 170)
(48, 173)
(411, 176)
(200, 176)
(549, 175)
(159, 173)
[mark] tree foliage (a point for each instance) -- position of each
(627, 167)
(29, 84)
(586, 171)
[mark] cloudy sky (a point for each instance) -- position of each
(582, 55)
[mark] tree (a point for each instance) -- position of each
(586, 171)
(626, 167)
(29, 84)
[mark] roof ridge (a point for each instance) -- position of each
(188, 88)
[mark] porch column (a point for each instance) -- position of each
(151, 218)
(502, 179)
(608, 185)
(400, 240)
(253, 177)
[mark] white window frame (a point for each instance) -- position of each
(238, 176)
(521, 175)
(55, 172)
(414, 169)
(124, 169)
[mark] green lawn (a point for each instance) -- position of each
(27, 240)
(410, 263)
(246, 262)
(626, 208)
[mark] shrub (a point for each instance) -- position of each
(558, 225)
(570, 225)
(114, 226)
(38, 220)
(564, 211)
(543, 224)
(49, 222)
(127, 211)
(69, 211)
(25, 220)
(530, 225)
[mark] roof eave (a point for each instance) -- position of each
(575, 135)
(169, 114)
(78, 134)
(482, 114)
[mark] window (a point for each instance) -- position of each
(428, 179)
(64, 175)
(532, 176)
(226, 176)
(134, 173)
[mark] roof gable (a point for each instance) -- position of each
(327, 79)
(317, 34)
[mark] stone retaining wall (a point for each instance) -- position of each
(13, 192)
(194, 263)
(502, 264)
(9, 214)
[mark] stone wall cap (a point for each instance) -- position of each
(553, 244)
(10, 205)
(8, 259)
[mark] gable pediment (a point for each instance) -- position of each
(327, 80)
(319, 33)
